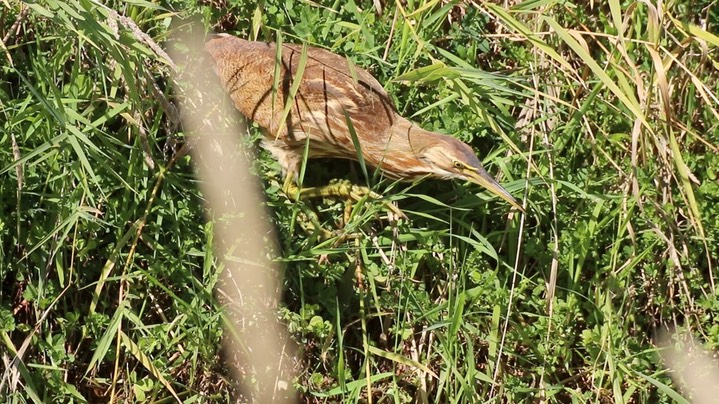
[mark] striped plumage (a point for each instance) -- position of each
(330, 91)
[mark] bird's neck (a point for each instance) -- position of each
(401, 151)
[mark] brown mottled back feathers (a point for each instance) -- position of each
(326, 92)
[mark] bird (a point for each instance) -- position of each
(336, 108)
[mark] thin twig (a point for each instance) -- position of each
(15, 28)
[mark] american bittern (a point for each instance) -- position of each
(334, 103)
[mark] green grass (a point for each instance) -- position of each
(604, 116)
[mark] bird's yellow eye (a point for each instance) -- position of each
(458, 164)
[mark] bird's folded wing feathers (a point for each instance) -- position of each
(246, 69)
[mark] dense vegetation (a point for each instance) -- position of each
(603, 116)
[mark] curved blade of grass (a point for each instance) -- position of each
(696, 31)
(110, 264)
(437, 104)
(436, 202)
(357, 384)
(435, 71)
(684, 175)
(103, 345)
(147, 363)
(29, 384)
(276, 74)
(663, 388)
(599, 71)
(296, 81)
(682, 168)
(401, 359)
(513, 23)
(357, 145)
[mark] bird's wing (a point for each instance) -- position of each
(333, 92)
(327, 72)
(330, 85)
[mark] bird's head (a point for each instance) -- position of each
(447, 157)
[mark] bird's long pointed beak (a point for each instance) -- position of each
(481, 177)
